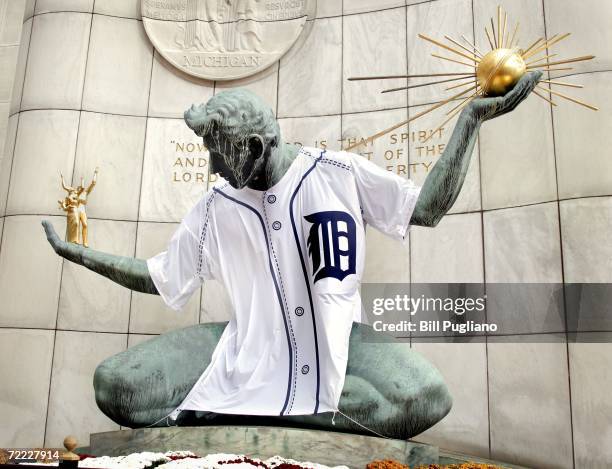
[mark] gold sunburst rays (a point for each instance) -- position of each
(493, 73)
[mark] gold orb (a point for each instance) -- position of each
(499, 71)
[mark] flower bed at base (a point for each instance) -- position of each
(189, 460)
(391, 464)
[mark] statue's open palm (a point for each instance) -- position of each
(489, 108)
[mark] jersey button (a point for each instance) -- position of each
(299, 311)
(271, 199)
(305, 369)
(277, 225)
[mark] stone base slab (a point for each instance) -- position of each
(323, 447)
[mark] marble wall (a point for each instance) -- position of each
(11, 14)
(537, 206)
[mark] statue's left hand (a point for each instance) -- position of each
(60, 246)
(489, 108)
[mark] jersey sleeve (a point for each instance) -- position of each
(387, 200)
(180, 270)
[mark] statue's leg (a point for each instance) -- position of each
(72, 227)
(140, 386)
(392, 387)
(389, 389)
(83, 220)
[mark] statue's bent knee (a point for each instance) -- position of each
(125, 396)
(105, 382)
(140, 386)
(433, 403)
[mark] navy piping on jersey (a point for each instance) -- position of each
(306, 279)
(335, 163)
(282, 288)
(278, 294)
(203, 236)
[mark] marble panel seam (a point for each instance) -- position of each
(8, 188)
(509, 207)
(142, 163)
(51, 374)
(88, 217)
(69, 330)
(140, 19)
(484, 263)
(567, 351)
(484, 272)
(84, 81)
(25, 72)
(85, 13)
(284, 117)
(369, 11)
(91, 111)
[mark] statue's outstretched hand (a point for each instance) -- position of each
(126, 271)
(489, 108)
(61, 247)
(55, 241)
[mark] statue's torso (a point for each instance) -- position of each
(291, 259)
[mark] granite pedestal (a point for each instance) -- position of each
(329, 448)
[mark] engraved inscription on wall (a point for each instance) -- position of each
(189, 160)
(224, 39)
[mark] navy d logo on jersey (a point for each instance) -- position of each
(332, 244)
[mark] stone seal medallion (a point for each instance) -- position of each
(224, 39)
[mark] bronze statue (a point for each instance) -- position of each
(389, 387)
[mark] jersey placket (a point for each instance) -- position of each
(271, 226)
(303, 386)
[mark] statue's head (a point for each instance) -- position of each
(240, 132)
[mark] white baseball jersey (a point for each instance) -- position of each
(291, 259)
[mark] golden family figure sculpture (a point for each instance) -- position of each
(74, 205)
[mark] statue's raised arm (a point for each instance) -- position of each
(93, 182)
(443, 184)
(64, 186)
